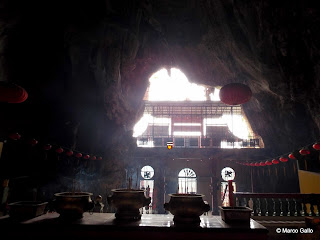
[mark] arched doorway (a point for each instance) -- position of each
(187, 180)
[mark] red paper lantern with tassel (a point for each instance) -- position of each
(257, 164)
(15, 136)
(269, 163)
(79, 155)
(291, 156)
(316, 146)
(86, 156)
(235, 93)
(33, 142)
(262, 164)
(93, 158)
(69, 153)
(59, 150)
(99, 158)
(283, 159)
(12, 93)
(275, 161)
(304, 152)
(47, 147)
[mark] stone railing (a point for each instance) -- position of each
(279, 204)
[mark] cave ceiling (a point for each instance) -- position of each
(86, 64)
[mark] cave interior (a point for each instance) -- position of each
(86, 67)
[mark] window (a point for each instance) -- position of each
(187, 179)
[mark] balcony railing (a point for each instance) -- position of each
(279, 204)
(198, 142)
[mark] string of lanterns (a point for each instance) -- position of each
(33, 142)
(304, 151)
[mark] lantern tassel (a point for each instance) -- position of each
(305, 165)
(294, 168)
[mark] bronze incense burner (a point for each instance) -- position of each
(72, 205)
(128, 202)
(186, 208)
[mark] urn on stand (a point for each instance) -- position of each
(128, 202)
(186, 208)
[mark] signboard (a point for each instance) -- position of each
(228, 174)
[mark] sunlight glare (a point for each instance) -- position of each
(174, 88)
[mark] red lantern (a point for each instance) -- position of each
(99, 158)
(275, 161)
(12, 93)
(59, 150)
(69, 153)
(283, 159)
(33, 142)
(291, 156)
(47, 147)
(235, 93)
(262, 164)
(15, 136)
(86, 156)
(79, 155)
(304, 152)
(269, 163)
(93, 158)
(252, 164)
(316, 146)
(257, 164)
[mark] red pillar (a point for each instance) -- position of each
(230, 187)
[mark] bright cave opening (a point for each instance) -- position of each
(190, 115)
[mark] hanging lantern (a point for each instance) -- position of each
(316, 146)
(12, 93)
(86, 156)
(79, 155)
(33, 142)
(275, 161)
(283, 159)
(304, 152)
(262, 164)
(15, 136)
(269, 163)
(235, 93)
(47, 147)
(291, 156)
(257, 164)
(59, 150)
(69, 153)
(99, 158)
(252, 164)
(93, 158)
